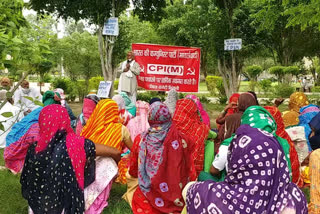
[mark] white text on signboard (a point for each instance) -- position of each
(176, 70)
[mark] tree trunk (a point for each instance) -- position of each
(106, 45)
(102, 52)
(233, 76)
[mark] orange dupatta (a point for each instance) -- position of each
(103, 126)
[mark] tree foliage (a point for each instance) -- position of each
(254, 71)
(288, 43)
(11, 21)
(80, 55)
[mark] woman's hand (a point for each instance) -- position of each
(107, 151)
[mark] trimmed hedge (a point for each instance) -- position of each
(284, 90)
(254, 71)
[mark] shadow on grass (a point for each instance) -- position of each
(116, 204)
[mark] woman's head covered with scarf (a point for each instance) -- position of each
(130, 106)
(50, 97)
(171, 100)
(163, 148)
(233, 99)
(258, 117)
(281, 132)
(89, 104)
(297, 101)
(204, 115)
(60, 91)
(258, 179)
(103, 126)
(315, 126)
(307, 113)
(233, 121)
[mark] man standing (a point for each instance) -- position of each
(129, 69)
(25, 91)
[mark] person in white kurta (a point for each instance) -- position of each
(7, 122)
(129, 69)
(26, 91)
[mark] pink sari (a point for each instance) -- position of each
(140, 123)
(204, 115)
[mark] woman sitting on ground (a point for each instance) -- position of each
(60, 162)
(204, 115)
(188, 121)
(130, 106)
(233, 121)
(18, 140)
(163, 147)
(258, 178)
(104, 126)
(281, 132)
(171, 100)
(124, 114)
(89, 104)
(230, 109)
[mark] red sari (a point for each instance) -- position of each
(188, 121)
(153, 160)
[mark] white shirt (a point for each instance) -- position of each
(26, 104)
(220, 161)
(17, 116)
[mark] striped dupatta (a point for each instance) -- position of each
(103, 126)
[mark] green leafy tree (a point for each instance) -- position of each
(80, 56)
(288, 43)
(35, 54)
(254, 71)
(11, 21)
(97, 12)
(278, 71)
(190, 24)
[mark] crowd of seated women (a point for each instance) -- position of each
(169, 156)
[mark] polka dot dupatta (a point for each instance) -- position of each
(164, 164)
(58, 166)
(257, 180)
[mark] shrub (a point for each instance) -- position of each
(115, 84)
(284, 90)
(293, 70)
(147, 96)
(316, 89)
(278, 71)
(94, 82)
(252, 85)
(254, 71)
(265, 85)
(61, 83)
(81, 89)
(223, 99)
(213, 83)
